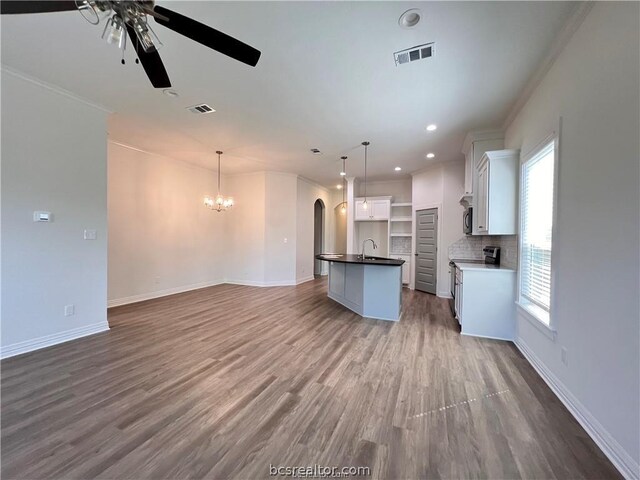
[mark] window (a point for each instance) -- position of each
(536, 224)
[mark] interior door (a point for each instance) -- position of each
(426, 250)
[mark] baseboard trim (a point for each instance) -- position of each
(116, 302)
(304, 279)
(254, 283)
(609, 446)
(53, 339)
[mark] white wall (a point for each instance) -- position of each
(54, 158)
(400, 189)
(307, 194)
(441, 186)
(162, 239)
(280, 228)
(245, 253)
(594, 86)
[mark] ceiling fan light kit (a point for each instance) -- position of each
(132, 16)
(113, 32)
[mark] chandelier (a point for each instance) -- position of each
(220, 202)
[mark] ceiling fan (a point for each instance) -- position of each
(131, 15)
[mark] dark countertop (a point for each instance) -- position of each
(352, 258)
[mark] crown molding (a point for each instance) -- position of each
(479, 135)
(53, 88)
(561, 40)
(313, 184)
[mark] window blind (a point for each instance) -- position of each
(536, 227)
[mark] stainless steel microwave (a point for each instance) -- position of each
(467, 220)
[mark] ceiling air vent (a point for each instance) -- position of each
(412, 54)
(201, 109)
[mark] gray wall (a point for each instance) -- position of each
(594, 87)
(54, 158)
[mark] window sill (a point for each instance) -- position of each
(536, 322)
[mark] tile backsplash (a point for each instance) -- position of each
(470, 247)
(400, 245)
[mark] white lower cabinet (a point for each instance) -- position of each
(485, 302)
(406, 267)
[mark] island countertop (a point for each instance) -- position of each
(353, 258)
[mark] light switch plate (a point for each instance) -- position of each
(90, 234)
(40, 216)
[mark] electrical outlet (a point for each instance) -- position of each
(90, 234)
(69, 310)
(564, 356)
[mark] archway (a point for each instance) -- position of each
(318, 235)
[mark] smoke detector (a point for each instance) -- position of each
(419, 52)
(410, 18)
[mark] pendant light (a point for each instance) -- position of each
(364, 204)
(343, 208)
(221, 202)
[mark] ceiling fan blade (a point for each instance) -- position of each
(151, 62)
(8, 7)
(208, 36)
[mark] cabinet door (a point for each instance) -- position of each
(406, 268)
(483, 198)
(468, 172)
(406, 272)
(458, 299)
(361, 212)
(380, 209)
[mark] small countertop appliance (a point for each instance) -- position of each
(491, 255)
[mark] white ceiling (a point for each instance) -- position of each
(326, 80)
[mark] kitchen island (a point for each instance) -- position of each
(369, 286)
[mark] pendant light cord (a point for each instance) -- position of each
(366, 144)
(219, 153)
(344, 178)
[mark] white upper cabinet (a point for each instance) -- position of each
(496, 193)
(475, 144)
(377, 209)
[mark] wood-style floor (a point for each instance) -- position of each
(224, 381)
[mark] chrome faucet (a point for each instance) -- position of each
(363, 244)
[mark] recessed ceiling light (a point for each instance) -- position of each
(432, 127)
(170, 93)
(342, 174)
(315, 151)
(431, 155)
(397, 169)
(410, 18)
(339, 187)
